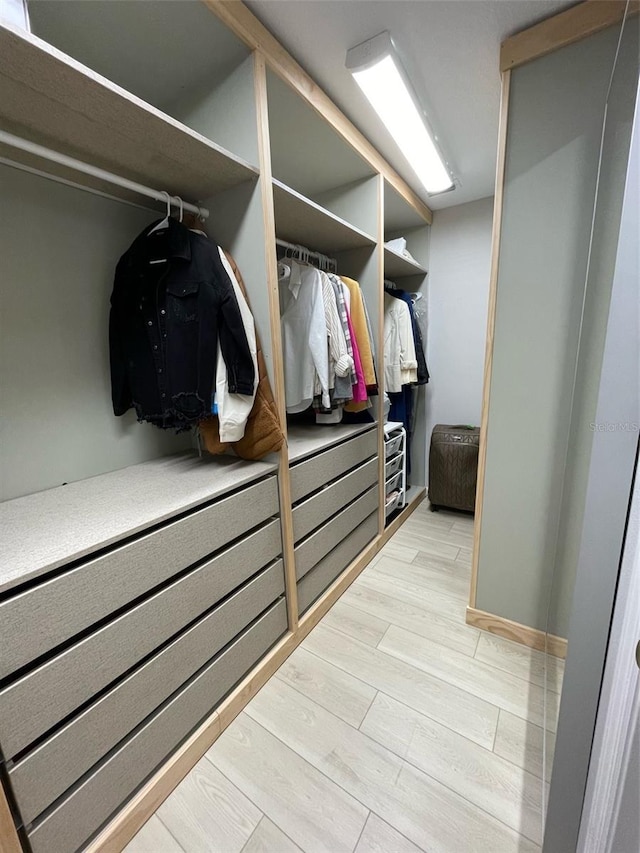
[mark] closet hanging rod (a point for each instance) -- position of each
(308, 253)
(93, 171)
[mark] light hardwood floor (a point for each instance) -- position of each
(394, 727)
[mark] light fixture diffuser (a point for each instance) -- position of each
(378, 72)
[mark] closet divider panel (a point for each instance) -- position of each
(548, 337)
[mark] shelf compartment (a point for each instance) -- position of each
(301, 220)
(397, 265)
(53, 100)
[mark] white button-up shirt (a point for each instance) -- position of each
(304, 336)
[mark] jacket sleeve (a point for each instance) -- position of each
(234, 409)
(241, 372)
(120, 390)
(408, 361)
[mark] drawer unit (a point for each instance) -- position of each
(110, 661)
(316, 546)
(393, 484)
(85, 809)
(392, 503)
(393, 466)
(392, 445)
(47, 694)
(54, 765)
(34, 622)
(312, 512)
(307, 476)
(316, 581)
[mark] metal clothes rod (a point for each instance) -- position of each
(305, 254)
(94, 172)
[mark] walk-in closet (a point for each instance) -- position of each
(231, 316)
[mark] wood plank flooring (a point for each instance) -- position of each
(393, 728)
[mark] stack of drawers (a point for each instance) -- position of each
(109, 662)
(335, 503)
(395, 467)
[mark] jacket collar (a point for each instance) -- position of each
(169, 243)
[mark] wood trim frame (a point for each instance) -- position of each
(9, 839)
(532, 637)
(266, 186)
(122, 828)
(253, 33)
(491, 323)
(563, 29)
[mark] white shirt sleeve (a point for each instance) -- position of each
(318, 335)
(234, 409)
(408, 360)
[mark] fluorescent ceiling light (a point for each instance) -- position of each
(377, 71)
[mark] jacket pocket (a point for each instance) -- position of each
(182, 301)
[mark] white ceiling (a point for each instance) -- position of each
(450, 49)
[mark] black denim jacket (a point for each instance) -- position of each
(165, 322)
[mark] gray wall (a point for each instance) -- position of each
(458, 292)
(59, 247)
(537, 454)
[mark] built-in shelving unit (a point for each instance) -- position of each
(222, 118)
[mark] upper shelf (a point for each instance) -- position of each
(51, 99)
(301, 220)
(397, 265)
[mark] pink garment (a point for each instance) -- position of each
(359, 389)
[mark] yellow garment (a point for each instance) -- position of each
(359, 323)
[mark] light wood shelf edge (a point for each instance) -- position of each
(568, 27)
(523, 634)
(491, 323)
(9, 840)
(253, 33)
(284, 484)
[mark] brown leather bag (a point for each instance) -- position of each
(453, 466)
(263, 433)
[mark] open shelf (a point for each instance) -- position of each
(397, 265)
(306, 441)
(301, 220)
(53, 100)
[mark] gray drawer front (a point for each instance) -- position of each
(46, 773)
(317, 509)
(35, 621)
(318, 579)
(78, 816)
(318, 545)
(43, 697)
(309, 475)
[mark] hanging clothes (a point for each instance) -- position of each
(304, 336)
(341, 364)
(422, 371)
(358, 316)
(172, 301)
(400, 364)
